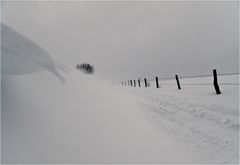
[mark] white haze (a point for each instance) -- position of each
(130, 39)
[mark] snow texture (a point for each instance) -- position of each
(87, 120)
(207, 123)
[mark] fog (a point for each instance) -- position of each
(130, 39)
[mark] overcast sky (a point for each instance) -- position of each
(130, 39)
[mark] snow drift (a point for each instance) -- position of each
(83, 120)
(86, 120)
(20, 55)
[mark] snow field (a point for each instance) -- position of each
(83, 119)
(80, 121)
(207, 123)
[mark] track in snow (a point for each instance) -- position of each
(208, 130)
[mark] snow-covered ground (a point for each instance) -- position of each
(85, 120)
(82, 119)
(207, 123)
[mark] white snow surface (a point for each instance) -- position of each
(81, 121)
(88, 120)
(20, 55)
(207, 123)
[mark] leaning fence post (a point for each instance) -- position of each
(131, 83)
(215, 82)
(134, 83)
(178, 84)
(145, 80)
(139, 82)
(157, 85)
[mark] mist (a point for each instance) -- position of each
(130, 39)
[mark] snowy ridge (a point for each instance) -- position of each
(20, 55)
(84, 120)
(63, 67)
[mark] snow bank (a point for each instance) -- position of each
(86, 120)
(83, 120)
(20, 55)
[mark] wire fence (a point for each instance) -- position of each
(202, 84)
(143, 82)
(195, 76)
(201, 76)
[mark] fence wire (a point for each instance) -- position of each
(152, 80)
(201, 84)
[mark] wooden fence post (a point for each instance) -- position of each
(215, 82)
(145, 80)
(178, 84)
(139, 82)
(134, 83)
(157, 85)
(131, 83)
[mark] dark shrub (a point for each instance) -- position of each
(87, 68)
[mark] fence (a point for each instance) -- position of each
(215, 83)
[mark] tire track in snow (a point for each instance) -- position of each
(206, 131)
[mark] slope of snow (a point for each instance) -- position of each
(207, 123)
(86, 120)
(81, 121)
(20, 55)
